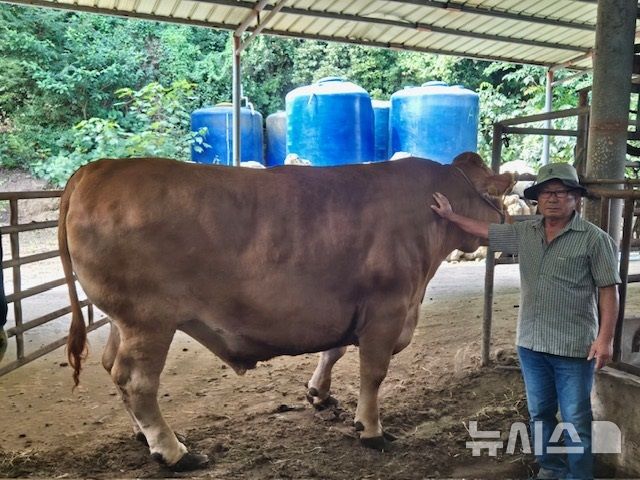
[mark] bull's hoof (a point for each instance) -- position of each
(312, 398)
(376, 443)
(390, 437)
(188, 462)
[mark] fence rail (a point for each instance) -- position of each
(15, 264)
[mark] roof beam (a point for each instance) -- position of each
(255, 12)
(457, 6)
(415, 26)
(118, 13)
(263, 24)
(398, 46)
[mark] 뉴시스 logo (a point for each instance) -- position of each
(605, 438)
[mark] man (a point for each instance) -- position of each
(568, 273)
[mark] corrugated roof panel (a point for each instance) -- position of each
(146, 6)
(126, 5)
(402, 37)
(108, 4)
(283, 22)
(200, 12)
(182, 9)
(523, 31)
(164, 8)
(303, 24)
(83, 3)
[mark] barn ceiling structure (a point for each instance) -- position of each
(551, 33)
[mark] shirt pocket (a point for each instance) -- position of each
(571, 269)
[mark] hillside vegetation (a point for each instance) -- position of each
(75, 87)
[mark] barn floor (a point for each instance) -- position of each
(259, 426)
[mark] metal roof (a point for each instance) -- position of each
(552, 33)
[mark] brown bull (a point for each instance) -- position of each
(259, 263)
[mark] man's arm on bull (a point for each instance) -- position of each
(469, 225)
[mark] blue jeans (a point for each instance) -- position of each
(552, 381)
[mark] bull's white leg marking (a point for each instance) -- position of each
(321, 378)
(136, 371)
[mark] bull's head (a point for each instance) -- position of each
(483, 198)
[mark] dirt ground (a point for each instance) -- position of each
(260, 425)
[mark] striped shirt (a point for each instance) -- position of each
(559, 282)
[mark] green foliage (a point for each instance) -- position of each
(75, 87)
(153, 123)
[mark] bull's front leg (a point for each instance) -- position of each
(377, 344)
(319, 387)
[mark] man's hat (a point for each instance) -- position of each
(562, 172)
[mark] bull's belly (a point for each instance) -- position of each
(238, 330)
(263, 339)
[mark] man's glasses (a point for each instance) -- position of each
(547, 194)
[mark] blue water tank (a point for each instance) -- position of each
(218, 121)
(276, 138)
(330, 123)
(381, 132)
(434, 121)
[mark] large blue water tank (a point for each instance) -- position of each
(381, 132)
(276, 124)
(218, 121)
(434, 121)
(330, 123)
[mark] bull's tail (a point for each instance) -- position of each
(77, 339)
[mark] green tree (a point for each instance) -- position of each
(153, 122)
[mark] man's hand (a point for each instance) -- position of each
(469, 225)
(601, 350)
(443, 207)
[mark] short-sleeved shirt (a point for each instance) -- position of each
(559, 282)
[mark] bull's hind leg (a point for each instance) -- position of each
(136, 371)
(319, 394)
(108, 359)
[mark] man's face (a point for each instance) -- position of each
(556, 201)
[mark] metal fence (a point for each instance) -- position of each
(12, 268)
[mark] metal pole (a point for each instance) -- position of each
(548, 106)
(496, 147)
(613, 58)
(487, 315)
(624, 275)
(580, 161)
(236, 98)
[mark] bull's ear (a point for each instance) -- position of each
(497, 185)
(468, 158)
